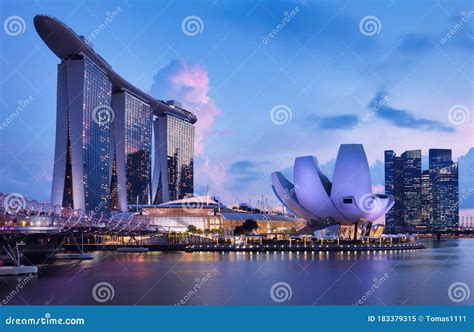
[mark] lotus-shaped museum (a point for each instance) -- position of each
(347, 200)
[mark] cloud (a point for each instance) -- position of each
(461, 31)
(415, 43)
(466, 180)
(343, 121)
(403, 118)
(244, 172)
(189, 84)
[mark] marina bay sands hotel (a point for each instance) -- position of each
(108, 133)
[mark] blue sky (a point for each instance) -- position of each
(332, 81)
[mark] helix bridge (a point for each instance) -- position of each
(46, 234)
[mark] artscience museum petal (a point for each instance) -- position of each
(347, 200)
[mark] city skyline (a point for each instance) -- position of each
(401, 95)
(424, 197)
(233, 154)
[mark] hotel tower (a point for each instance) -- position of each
(107, 131)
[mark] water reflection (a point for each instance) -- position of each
(320, 277)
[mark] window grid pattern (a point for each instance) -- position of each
(138, 132)
(96, 137)
(180, 146)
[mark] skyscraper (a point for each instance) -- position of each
(104, 130)
(81, 158)
(403, 181)
(132, 135)
(411, 193)
(426, 198)
(393, 174)
(175, 151)
(444, 188)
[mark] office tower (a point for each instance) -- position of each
(392, 176)
(403, 181)
(444, 188)
(174, 148)
(411, 194)
(104, 127)
(426, 208)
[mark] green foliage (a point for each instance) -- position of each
(192, 229)
(246, 228)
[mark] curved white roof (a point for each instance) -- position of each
(348, 199)
(198, 202)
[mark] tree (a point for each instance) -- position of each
(246, 228)
(192, 229)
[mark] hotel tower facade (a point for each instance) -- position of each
(107, 131)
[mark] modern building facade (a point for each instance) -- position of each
(131, 152)
(427, 198)
(403, 181)
(393, 174)
(205, 213)
(445, 188)
(104, 133)
(348, 200)
(174, 149)
(81, 162)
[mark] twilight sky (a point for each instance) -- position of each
(268, 80)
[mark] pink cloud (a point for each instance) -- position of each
(378, 188)
(189, 84)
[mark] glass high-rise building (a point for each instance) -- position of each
(104, 133)
(132, 139)
(175, 149)
(445, 188)
(393, 174)
(426, 198)
(411, 193)
(403, 181)
(81, 161)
